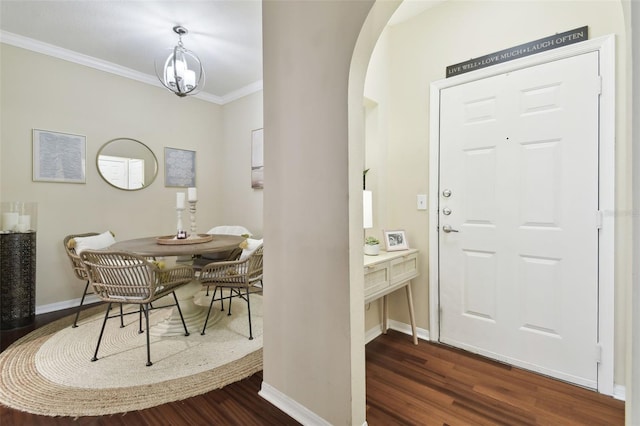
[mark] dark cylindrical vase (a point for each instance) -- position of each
(17, 279)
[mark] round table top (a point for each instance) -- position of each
(149, 246)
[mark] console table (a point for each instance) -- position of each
(386, 273)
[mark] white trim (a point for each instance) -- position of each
(101, 65)
(620, 392)
(66, 304)
(402, 327)
(406, 329)
(287, 405)
(242, 92)
(372, 333)
(606, 48)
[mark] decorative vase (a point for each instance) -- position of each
(372, 249)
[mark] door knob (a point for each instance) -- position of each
(446, 193)
(448, 228)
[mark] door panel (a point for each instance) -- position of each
(519, 155)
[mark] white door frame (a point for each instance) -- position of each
(606, 327)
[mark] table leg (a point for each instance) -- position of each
(411, 313)
(385, 314)
(194, 315)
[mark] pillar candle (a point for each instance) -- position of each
(180, 200)
(9, 221)
(193, 195)
(25, 219)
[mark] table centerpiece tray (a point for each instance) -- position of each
(194, 239)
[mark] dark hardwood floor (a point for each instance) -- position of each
(432, 384)
(427, 384)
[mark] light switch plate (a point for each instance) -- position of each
(422, 201)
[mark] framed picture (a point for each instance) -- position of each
(179, 168)
(395, 240)
(59, 157)
(257, 159)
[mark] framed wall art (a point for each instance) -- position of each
(257, 159)
(59, 157)
(179, 168)
(395, 240)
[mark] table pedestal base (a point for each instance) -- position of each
(194, 315)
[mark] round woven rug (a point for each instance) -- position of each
(49, 372)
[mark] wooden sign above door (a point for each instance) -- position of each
(537, 46)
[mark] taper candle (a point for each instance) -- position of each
(180, 200)
(193, 194)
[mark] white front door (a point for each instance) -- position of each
(518, 193)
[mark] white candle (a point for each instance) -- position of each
(180, 200)
(193, 195)
(9, 221)
(24, 219)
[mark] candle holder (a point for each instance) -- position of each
(192, 218)
(181, 234)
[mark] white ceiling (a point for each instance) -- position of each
(225, 34)
(125, 36)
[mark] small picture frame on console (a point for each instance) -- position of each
(395, 240)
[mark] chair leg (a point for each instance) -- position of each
(146, 317)
(84, 294)
(230, 297)
(206, 320)
(140, 320)
(121, 317)
(106, 317)
(186, 332)
(249, 313)
(221, 298)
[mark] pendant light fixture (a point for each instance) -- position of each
(180, 70)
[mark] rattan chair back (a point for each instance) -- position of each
(76, 263)
(125, 277)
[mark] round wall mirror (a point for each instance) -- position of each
(127, 164)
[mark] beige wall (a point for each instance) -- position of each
(241, 204)
(38, 91)
(418, 52)
(314, 346)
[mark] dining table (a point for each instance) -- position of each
(172, 251)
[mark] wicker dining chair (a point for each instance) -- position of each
(79, 271)
(123, 277)
(235, 275)
(201, 260)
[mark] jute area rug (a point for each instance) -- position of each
(49, 372)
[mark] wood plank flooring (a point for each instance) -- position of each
(427, 384)
(432, 384)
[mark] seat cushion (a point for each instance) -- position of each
(248, 247)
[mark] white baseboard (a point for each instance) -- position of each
(66, 304)
(619, 392)
(299, 412)
(376, 331)
(372, 333)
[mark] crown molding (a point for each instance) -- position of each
(99, 64)
(242, 92)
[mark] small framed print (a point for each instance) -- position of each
(59, 157)
(257, 159)
(395, 240)
(179, 168)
